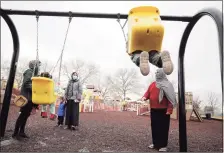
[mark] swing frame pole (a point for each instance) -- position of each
(89, 15)
(213, 13)
(12, 73)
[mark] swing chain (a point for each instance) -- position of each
(122, 27)
(70, 19)
(37, 50)
(60, 57)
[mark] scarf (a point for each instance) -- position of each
(166, 87)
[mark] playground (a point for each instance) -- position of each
(111, 131)
(108, 128)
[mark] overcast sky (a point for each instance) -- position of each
(101, 40)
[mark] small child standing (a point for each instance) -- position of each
(61, 111)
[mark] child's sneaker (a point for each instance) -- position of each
(167, 63)
(144, 63)
(163, 149)
(151, 146)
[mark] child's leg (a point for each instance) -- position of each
(59, 120)
(44, 111)
(136, 58)
(52, 111)
(62, 120)
(141, 58)
(167, 62)
(161, 60)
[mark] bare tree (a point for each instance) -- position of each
(22, 66)
(104, 86)
(86, 71)
(197, 103)
(212, 101)
(125, 81)
(5, 67)
(46, 66)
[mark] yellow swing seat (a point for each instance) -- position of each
(43, 91)
(20, 101)
(145, 30)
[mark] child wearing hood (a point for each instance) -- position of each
(44, 113)
(61, 111)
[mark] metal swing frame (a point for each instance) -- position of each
(192, 20)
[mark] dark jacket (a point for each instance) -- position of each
(26, 89)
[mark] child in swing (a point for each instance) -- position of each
(61, 111)
(147, 31)
(51, 106)
(157, 58)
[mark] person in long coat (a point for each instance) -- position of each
(73, 94)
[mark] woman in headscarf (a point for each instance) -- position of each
(73, 95)
(26, 91)
(162, 99)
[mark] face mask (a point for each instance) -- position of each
(74, 77)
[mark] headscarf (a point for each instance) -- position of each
(34, 64)
(165, 86)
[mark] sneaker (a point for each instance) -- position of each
(163, 149)
(144, 63)
(23, 135)
(151, 146)
(167, 63)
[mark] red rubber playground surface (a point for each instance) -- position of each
(109, 132)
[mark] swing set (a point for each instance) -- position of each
(144, 26)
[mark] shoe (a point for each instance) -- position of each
(144, 63)
(151, 146)
(67, 128)
(23, 135)
(16, 137)
(163, 149)
(167, 63)
(44, 114)
(52, 117)
(73, 128)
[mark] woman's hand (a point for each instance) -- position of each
(169, 113)
(143, 99)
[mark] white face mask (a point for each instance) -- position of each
(74, 77)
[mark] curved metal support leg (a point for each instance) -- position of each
(217, 16)
(10, 82)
